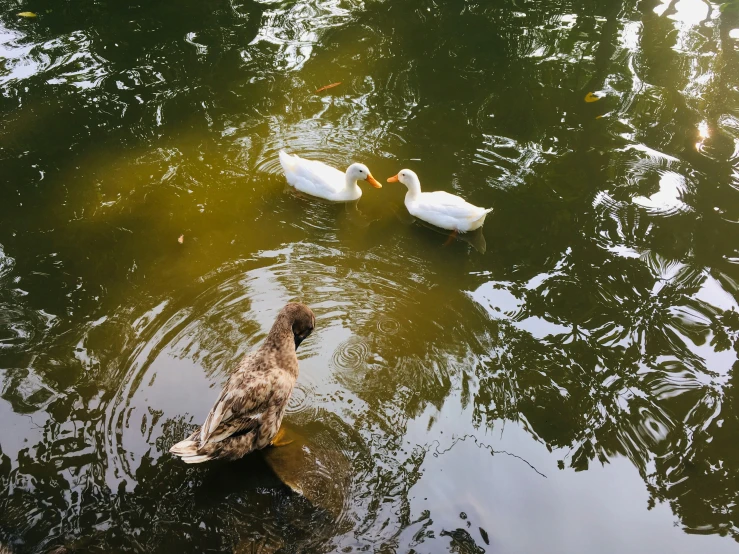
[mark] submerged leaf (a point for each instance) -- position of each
(26, 14)
(332, 85)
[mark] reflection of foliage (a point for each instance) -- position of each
(606, 376)
(726, 331)
(698, 471)
(730, 7)
(462, 542)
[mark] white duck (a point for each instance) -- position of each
(318, 179)
(440, 208)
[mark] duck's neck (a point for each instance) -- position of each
(351, 184)
(280, 340)
(414, 190)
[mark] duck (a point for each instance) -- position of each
(248, 413)
(318, 179)
(440, 208)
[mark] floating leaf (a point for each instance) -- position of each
(26, 14)
(590, 97)
(332, 85)
(181, 239)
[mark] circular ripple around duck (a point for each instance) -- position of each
(351, 354)
(307, 140)
(186, 346)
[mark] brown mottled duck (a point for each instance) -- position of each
(249, 410)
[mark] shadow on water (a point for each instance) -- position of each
(453, 396)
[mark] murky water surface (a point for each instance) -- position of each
(565, 382)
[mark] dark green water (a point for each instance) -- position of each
(570, 388)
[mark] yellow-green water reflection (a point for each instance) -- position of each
(570, 387)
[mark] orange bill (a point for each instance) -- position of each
(372, 181)
(393, 179)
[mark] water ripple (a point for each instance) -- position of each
(67, 59)
(17, 329)
(351, 354)
(21, 327)
(515, 161)
(303, 399)
(388, 326)
(295, 29)
(6, 263)
(668, 200)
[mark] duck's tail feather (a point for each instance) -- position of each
(481, 217)
(196, 459)
(188, 450)
(289, 165)
(484, 214)
(185, 448)
(287, 161)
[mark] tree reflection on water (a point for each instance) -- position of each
(602, 318)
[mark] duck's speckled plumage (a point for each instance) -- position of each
(248, 413)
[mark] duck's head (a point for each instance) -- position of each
(357, 172)
(301, 320)
(407, 177)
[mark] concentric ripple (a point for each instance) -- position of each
(351, 354)
(388, 326)
(179, 357)
(302, 400)
(668, 199)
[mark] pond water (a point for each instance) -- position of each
(563, 382)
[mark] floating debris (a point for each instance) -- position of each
(27, 14)
(590, 97)
(181, 239)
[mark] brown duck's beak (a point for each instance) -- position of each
(372, 181)
(393, 179)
